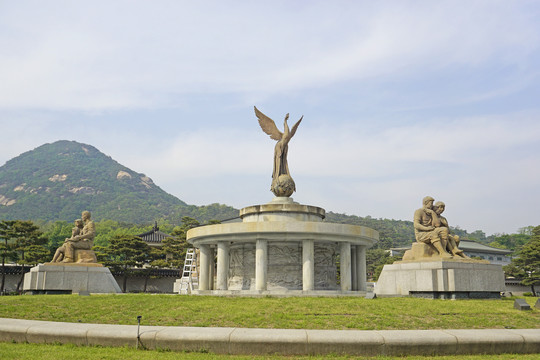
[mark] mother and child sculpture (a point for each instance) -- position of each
(431, 229)
(78, 248)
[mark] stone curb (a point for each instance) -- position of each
(277, 341)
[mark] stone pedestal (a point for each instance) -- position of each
(452, 279)
(59, 278)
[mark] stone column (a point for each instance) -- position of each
(361, 267)
(222, 265)
(308, 265)
(261, 264)
(211, 267)
(354, 275)
(204, 278)
(345, 266)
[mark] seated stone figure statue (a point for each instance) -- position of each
(452, 244)
(428, 229)
(82, 239)
(76, 230)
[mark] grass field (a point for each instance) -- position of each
(270, 312)
(72, 352)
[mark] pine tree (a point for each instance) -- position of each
(30, 245)
(125, 254)
(7, 250)
(527, 264)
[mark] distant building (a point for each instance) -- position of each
(473, 249)
(154, 237)
(494, 255)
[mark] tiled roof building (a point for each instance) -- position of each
(154, 237)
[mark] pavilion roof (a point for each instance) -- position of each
(154, 236)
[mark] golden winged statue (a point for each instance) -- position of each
(283, 186)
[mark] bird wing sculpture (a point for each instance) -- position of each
(269, 126)
(293, 130)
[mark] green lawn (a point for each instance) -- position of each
(270, 312)
(72, 352)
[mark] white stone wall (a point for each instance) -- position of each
(134, 284)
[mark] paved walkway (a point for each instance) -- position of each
(277, 341)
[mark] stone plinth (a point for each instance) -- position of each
(70, 277)
(441, 279)
(282, 209)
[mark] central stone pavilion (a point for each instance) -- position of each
(282, 247)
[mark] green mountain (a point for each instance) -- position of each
(58, 181)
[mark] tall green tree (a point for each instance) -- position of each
(7, 249)
(30, 245)
(527, 264)
(171, 254)
(125, 254)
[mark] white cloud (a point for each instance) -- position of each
(137, 54)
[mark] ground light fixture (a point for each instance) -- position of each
(138, 331)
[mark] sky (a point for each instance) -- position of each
(401, 99)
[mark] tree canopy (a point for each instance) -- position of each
(24, 243)
(527, 264)
(124, 254)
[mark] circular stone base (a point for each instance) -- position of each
(282, 209)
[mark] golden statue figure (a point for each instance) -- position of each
(282, 182)
(82, 238)
(431, 228)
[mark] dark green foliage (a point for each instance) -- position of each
(392, 233)
(57, 232)
(375, 261)
(7, 247)
(36, 254)
(509, 241)
(23, 242)
(171, 254)
(527, 265)
(58, 181)
(176, 247)
(124, 254)
(29, 243)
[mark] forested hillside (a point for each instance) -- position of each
(392, 233)
(58, 181)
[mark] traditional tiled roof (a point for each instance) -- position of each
(469, 245)
(154, 236)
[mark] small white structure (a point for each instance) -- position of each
(282, 248)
